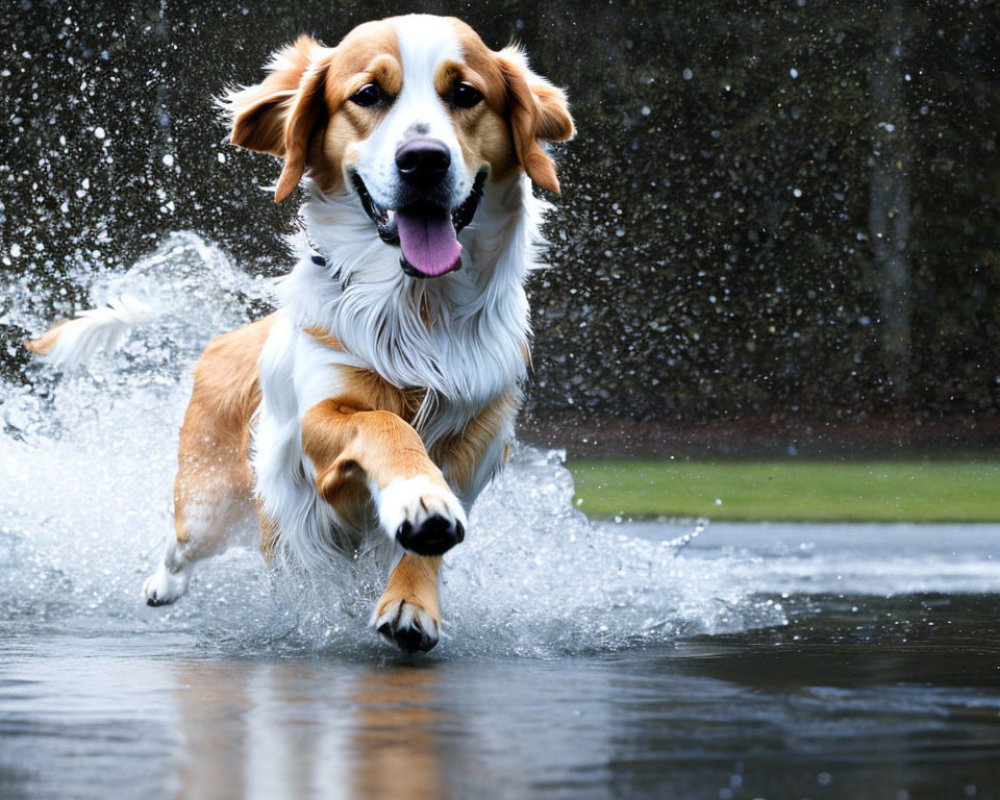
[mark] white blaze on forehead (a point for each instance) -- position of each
(425, 42)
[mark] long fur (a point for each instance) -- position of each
(473, 354)
(78, 340)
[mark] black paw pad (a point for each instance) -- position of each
(155, 601)
(409, 639)
(435, 536)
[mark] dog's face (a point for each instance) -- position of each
(413, 115)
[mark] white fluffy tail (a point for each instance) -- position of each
(73, 342)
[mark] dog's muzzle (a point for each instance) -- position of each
(425, 231)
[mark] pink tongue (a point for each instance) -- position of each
(427, 238)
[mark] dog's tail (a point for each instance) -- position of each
(72, 342)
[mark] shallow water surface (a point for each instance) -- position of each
(850, 694)
(579, 659)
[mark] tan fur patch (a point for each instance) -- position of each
(322, 123)
(323, 337)
(269, 535)
(414, 580)
(463, 453)
(532, 108)
(365, 390)
(213, 465)
(482, 131)
(349, 447)
(43, 345)
(259, 112)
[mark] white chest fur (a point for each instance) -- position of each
(462, 338)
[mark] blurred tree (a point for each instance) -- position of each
(889, 218)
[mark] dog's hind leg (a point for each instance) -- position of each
(204, 526)
(212, 494)
(170, 580)
(212, 508)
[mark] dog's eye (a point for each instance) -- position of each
(465, 96)
(368, 95)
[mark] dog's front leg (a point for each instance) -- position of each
(377, 454)
(409, 612)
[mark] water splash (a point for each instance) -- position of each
(557, 583)
(87, 463)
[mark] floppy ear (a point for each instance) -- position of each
(279, 114)
(538, 110)
(308, 111)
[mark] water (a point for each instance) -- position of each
(579, 659)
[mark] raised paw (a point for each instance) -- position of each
(422, 516)
(408, 625)
(164, 587)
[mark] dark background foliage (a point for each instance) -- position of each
(780, 225)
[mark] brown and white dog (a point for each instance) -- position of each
(381, 395)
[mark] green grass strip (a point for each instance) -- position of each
(815, 491)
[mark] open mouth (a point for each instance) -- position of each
(426, 233)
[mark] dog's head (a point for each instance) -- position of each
(413, 115)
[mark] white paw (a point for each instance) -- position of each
(408, 626)
(163, 587)
(421, 516)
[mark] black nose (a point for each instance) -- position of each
(423, 162)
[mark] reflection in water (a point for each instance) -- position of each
(394, 747)
(857, 696)
(212, 704)
(295, 729)
(387, 730)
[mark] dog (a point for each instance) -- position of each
(379, 399)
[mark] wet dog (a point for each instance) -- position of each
(379, 399)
